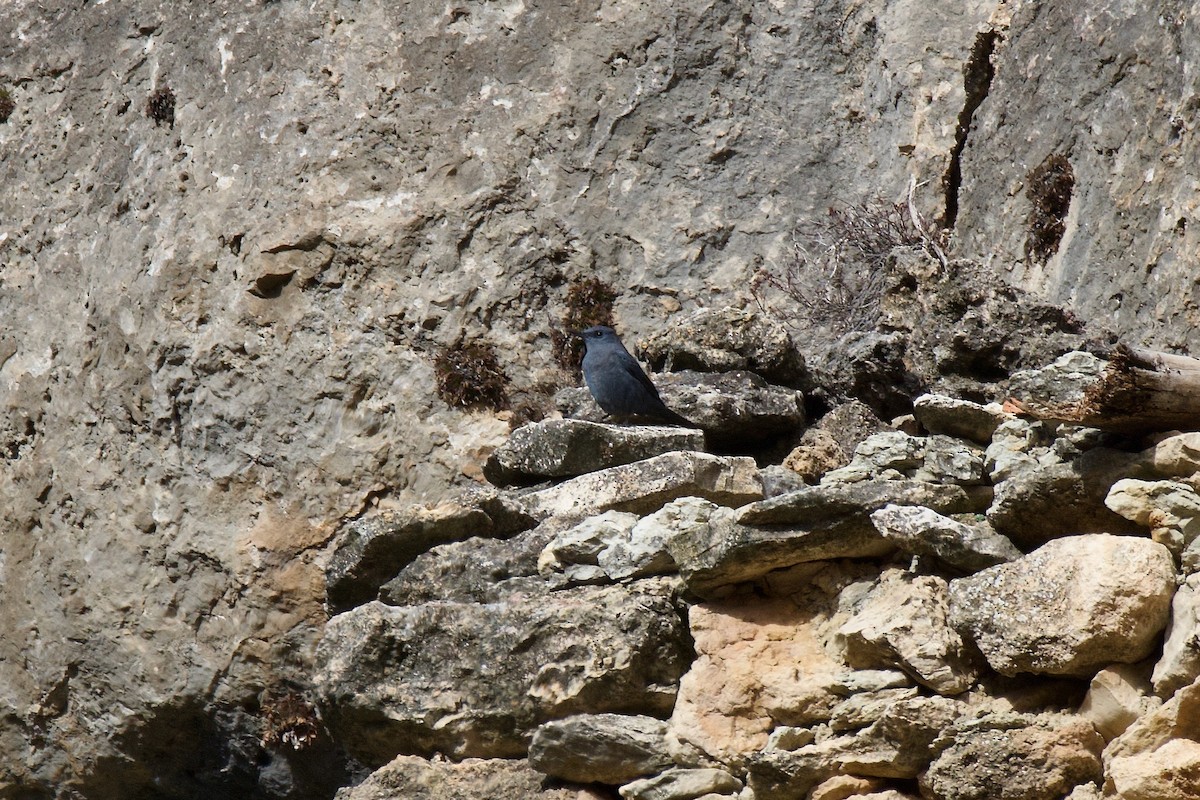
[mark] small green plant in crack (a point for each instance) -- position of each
(469, 375)
(1048, 186)
(589, 302)
(160, 106)
(7, 105)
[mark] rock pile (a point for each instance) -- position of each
(967, 605)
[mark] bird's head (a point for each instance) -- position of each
(598, 334)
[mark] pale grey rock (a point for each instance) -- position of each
(1179, 665)
(372, 551)
(811, 524)
(863, 708)
(1044, 503)
(1014, 757)
(476, 570)
(1171, 510)
(819, 505)
(646, 486)
(725, 340)
(1116, 697)
(951, 460)
(961, 419)
(683, 784)
(871, 680)
(1175, 456)
(961, 547)
(560, 448)
(602, 748)
(896, 745)
(474, 679)
(890, 450)
(1016, 445)
(777, 480)
(1047, 613)
(574, 554)
(1065, 381)
(416, 778)
(789, 737)
(904, 622)
(644, 551)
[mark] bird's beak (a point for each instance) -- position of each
(576, 334)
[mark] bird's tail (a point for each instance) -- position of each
(671, 418)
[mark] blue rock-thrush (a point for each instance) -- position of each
(617, 381)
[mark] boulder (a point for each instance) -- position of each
(961, 547)
(962, 419)
(475, 570)
(897, 745)
(371, 551)
(1070, 607)
(1042, 503)
(473, 680)
(1014, 757)
(416, 778)
(1170, 509)
(600, 748)
(724, 340)
(559, 448)
(645, 486)
(573, 556)
(1179, 664)
(903, 622)
(1117, 696)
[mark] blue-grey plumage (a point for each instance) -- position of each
(617, 380)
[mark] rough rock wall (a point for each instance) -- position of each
(1113, 91)
(219, 323)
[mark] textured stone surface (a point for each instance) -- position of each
(682, 784)
(1070, 607)
(1171, 510)
(961, 547)
(728, 339)
(372, 551)
(1179, 664)
(474, 679)
(559, 448)
(602, 748)
(646, 486)
(415, 778)
(959, 418)
(220, 329)
(1008, 757)
(903, 623)
(1117, 696)
(1043, 503)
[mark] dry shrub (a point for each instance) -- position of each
(469, 375)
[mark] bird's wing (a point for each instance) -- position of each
(630, 365)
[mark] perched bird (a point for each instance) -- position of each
(617, 381)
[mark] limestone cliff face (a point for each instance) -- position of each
(220, 311)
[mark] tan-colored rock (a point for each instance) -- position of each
(1171, 510)
(757, 665)
(1171, 771)
(1176, 719)
(1179, 664)
(646, 486)
(1176, 456)
(1117, 696)
(841, 787)
(817, 453)
(1070, 607)
(904, 622)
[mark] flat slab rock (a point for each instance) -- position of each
(1070, 607)
(473, 680)
(559, 448)
(811, 524)
(375, 549)
(924, 532)
(602, 748)
(646, 486)
(416, 778)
